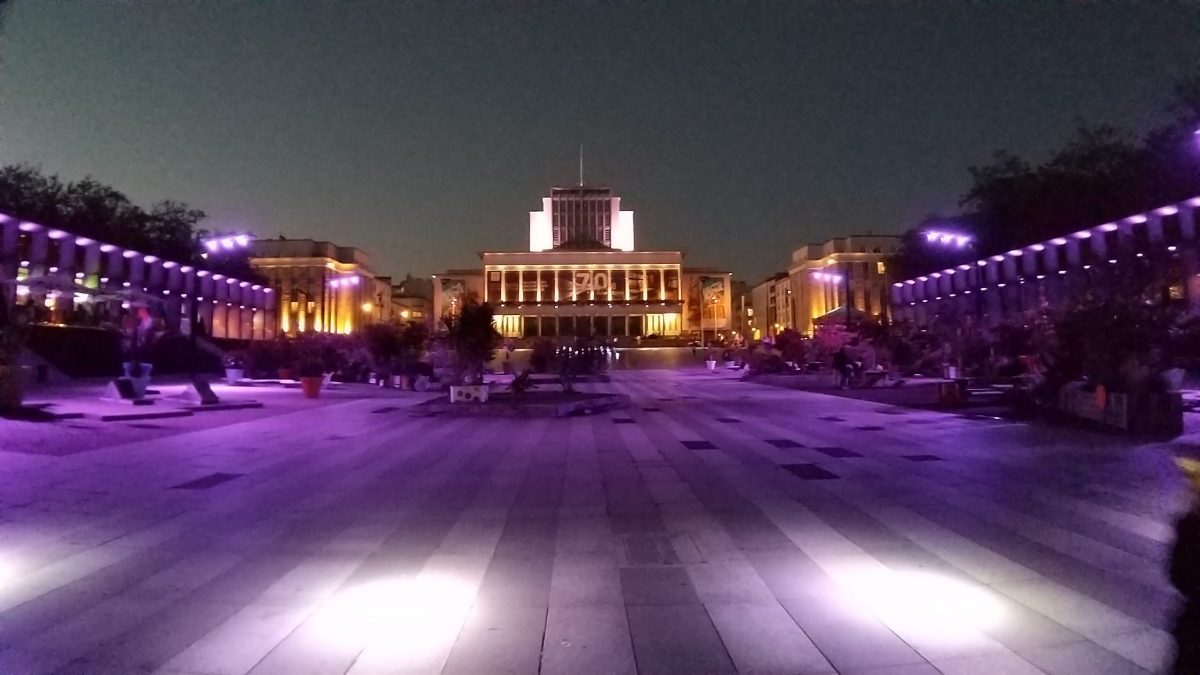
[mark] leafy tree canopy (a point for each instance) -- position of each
(168, 229)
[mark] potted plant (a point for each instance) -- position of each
(13, 332)
(235, 367)
(311, 372)
(285, 356)
(141, 331)
(411, 346)
(262, 359)
(138, 374)
(382, 342)
(473, 337)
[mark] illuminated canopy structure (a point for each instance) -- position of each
(582, 276)
(1048, 273)
(69, 279)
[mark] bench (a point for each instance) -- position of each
(869, 378)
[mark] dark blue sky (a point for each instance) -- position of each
(424, 132)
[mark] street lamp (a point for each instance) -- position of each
(230, 242)
(948, 239)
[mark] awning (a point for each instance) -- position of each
(838, 314)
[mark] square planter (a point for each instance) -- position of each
(475, 393)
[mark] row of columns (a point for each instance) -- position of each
(596, 278)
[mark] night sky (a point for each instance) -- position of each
(424, 132)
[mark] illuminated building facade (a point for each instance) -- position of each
(582, 276)
(69, 280)
(1045, 275)
(824, 278)
(322, 287)
(821, 277)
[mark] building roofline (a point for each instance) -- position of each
(850, 236)
(774, 277)
(563, 251)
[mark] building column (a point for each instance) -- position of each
(39, 246)
(1154, 227)
(1187, 222)
(1074, 253)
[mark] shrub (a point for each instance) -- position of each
(522, 383)
(541, 356)
(472, 335)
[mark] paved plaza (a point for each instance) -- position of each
(715, 526)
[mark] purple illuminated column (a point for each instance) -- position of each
(1154, 227)
(1074, 253)
(1010, 268)
(39, 245)
(1187, 220)
(91, 257)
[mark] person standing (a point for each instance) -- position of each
(841, 364)
(1185, 577)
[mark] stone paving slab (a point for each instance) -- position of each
(349, 536)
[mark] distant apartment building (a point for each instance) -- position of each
(824, 282)
(770, 307)
(322, 287)
(412, 300)
(844, 271)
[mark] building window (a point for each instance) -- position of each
(493, 286)
(654, 285)
(880, 267)
(566, 287)
(672, 282)
(512, 285)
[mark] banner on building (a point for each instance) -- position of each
(712, 297)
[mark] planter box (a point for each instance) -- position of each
(234, 375)
(475, 393)
(1152, 414)
(311, 386)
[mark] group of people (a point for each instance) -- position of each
(846, 367)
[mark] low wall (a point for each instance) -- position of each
(910, 392)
